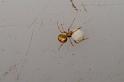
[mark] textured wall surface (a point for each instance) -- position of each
(29, 47)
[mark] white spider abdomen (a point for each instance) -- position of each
(78, 36)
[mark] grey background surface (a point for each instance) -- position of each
(29, 46)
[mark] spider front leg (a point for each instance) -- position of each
(59, 27)
(63, 28)
(62, 31)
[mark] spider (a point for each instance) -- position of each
(76, 35)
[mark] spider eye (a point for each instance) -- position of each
(62, 38)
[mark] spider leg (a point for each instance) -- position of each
(72, 23)
(62, 31)
(59, 27)
(73, 5)
(77, 29)
(85, 38)
(63, 28)
(60, 46)
(74, 41)
(71, 42)
(84, 7)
